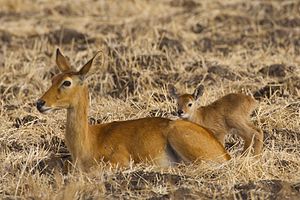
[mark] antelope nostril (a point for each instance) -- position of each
(40, 103)
(180, 112)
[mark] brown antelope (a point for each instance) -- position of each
(163, 141)
(229, 113)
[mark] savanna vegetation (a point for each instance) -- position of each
(251, 47)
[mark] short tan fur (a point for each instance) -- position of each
(229, 113)
(159, 140)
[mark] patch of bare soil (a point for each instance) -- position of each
(166, 44)
(66, 36)
(269, 189)
(222, 72)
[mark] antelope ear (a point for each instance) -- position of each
(86, 68)
(62, 62)
(173, 91)
(198, 92)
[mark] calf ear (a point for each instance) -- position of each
(172, 91)
(198, 92)
(62, 62)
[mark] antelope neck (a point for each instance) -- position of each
(195, 115)
(77, 123)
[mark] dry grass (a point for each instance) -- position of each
(231, 46)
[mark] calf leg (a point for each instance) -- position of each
(249, 133)
(258, 139)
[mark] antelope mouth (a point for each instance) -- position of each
(45, 110)
(184, 116)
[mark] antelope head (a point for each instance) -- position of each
(186, 103)
(66, 86)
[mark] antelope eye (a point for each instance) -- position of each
(190, 105)
(66, 83)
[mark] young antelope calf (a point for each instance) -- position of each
(229, 113)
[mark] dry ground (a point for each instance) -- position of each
(229, 46)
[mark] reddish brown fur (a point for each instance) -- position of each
(229, 113)
(160, 140)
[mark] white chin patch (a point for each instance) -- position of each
(184, 116)
(46, 110)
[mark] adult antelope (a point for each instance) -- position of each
(229, 113)
(160, 140)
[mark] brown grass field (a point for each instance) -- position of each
(229, 46)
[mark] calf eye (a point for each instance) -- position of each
(190, 105)
(66, 83)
